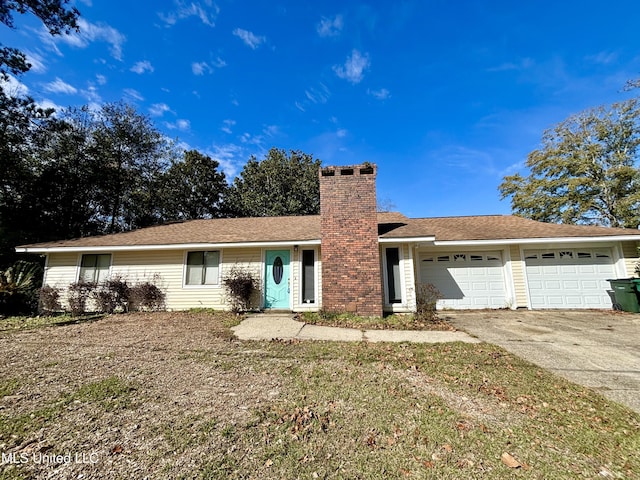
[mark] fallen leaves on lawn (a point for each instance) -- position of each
(511, 462)
(307, 420)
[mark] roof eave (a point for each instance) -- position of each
(406, 239)
(534, 241)
(177, 246)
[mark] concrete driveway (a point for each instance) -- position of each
(597, 349)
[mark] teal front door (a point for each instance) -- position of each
(277, 286)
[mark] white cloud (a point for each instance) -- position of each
(521, 64)
(13, 87)
(132, 95)
(271, 130)
(183, 124)
(319, 94)
(603, 58)
(200, 68)
(158, 109)
(60, 86)
(250, 139)
(381, 94)
(341, 133)
(230, 157)
(101, 79)
(206, 14)
(250, 39)
(330, 27)
(36, 61)
(226, 128)
(142, 66)
(46, 103)
(92, 95)
(219, 63)
(89, 33)
(180, 124)
(353, 68)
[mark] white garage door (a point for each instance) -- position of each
(465, 279)
(569, 278)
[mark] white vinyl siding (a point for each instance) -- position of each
(61, 269)
(517, 272)
(630, 253)
(165, 268)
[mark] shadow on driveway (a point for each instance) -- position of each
(599, 349)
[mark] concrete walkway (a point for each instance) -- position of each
(284, 327)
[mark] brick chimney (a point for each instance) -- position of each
(351, 280)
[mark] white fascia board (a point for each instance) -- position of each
(182, 246)
(535, 241)
(406, 239)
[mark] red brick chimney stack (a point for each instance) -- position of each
(351, 280)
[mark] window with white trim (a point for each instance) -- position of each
(203, 268)
(94, 268)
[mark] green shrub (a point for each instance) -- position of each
(19, 288)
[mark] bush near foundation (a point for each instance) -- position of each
(241, 286)
(427, 296)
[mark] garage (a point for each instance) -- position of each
(467, 280)
(569, 278)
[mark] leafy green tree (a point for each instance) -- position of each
(280, 184)
(586, 171)
(19, 117)
(132, 154)
(54, 14)
(193, 188)
(63, 199)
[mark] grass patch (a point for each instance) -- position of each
(112, 393)
(19, 323)
(396, 321)
(9, 386)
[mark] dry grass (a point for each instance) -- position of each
(174, 395)
(390, 322)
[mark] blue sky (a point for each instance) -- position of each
(446, 97)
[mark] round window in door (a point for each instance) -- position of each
(277, 270)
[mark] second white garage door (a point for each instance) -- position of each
(569, 278)
(467, 280)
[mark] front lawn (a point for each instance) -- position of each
(174, 395)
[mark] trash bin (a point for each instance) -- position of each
(626, 294)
